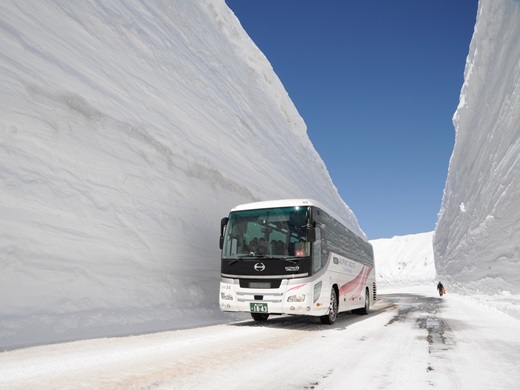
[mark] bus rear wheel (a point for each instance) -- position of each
(260, 316)
(366, 308)
(330, 318)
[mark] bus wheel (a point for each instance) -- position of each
(330, 318)
(366, 308)
(260, 316)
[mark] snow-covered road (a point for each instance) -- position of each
(409, 341)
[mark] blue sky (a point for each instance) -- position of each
(377, 83)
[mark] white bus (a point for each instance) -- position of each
(293, 257)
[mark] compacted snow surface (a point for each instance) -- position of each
(411, 340)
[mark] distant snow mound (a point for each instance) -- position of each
(404, 260)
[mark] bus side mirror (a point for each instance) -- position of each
(223, 223)
(311, 233)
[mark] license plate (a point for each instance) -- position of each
(258, 307)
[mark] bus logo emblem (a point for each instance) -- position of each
(259, 267)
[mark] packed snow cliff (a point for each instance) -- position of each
(477, 237)
(128, 130)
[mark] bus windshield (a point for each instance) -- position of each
(276, 232)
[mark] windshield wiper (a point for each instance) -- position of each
(239, 258)
(291, 260)
(250, 256)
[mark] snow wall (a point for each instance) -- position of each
(477, 237)
(128, 130)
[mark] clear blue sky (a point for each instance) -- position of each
(377, 83)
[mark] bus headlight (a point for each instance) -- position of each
(296, 298)
(226, 297)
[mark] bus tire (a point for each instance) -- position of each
(330, 318)
(260, 316)
(366, 308)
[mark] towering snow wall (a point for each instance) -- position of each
(477, 237)
(128, 129)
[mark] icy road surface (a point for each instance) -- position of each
(409, 341)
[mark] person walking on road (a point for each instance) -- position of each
(441, 289)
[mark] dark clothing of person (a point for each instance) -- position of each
(441, 290)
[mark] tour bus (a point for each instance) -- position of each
(293, 257)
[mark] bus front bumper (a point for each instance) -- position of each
(291, 298)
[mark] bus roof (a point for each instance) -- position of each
(278, 203)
